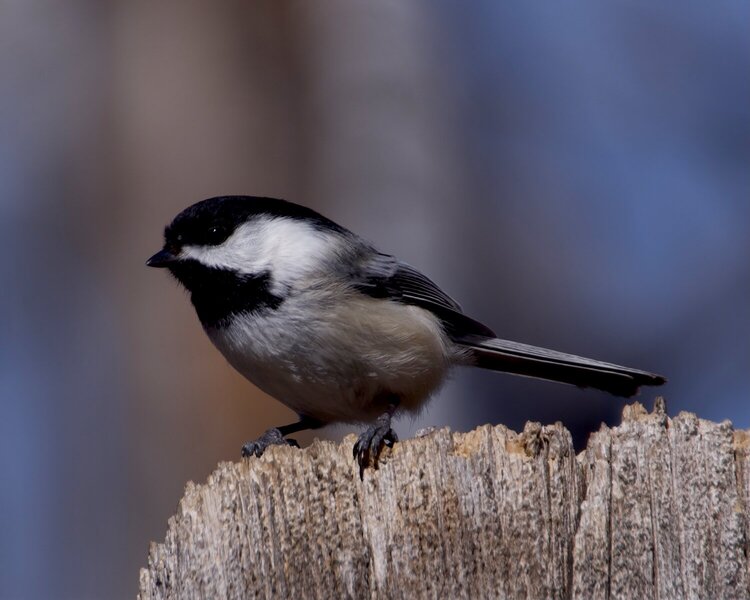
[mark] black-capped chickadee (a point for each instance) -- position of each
(319, 319)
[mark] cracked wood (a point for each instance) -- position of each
(653, 508)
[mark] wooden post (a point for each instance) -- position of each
(653, 508)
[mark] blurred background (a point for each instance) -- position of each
(577, 176)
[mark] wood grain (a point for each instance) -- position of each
(653, 508)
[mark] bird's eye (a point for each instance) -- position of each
(216, 234)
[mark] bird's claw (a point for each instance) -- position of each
(367, 448)
(272, 437)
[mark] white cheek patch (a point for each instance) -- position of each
(287, 248)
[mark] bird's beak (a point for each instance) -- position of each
(162, 259)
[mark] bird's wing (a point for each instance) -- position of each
(383, 276)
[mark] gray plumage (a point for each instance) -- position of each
(336, 330)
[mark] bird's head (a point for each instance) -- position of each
(246, 237)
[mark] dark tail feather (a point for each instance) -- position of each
(521, 359)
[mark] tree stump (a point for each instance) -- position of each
(653, 508)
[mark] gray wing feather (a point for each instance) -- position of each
(384, 276)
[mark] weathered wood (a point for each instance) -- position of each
(653, 508)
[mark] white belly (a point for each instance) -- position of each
(348, 364)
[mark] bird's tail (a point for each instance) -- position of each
(522, 359)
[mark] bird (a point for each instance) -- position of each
(318, 318)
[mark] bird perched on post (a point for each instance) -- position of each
(318, 318)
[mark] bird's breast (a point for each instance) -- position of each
(339, 359)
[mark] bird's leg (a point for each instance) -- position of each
(275, 436)
(371, 441)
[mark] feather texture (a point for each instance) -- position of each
(531, 361)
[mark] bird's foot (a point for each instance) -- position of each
(371, 441)
(272, 437)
